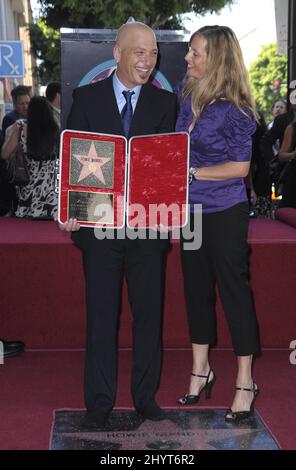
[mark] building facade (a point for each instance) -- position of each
(15, 16)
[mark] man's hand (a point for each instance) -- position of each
(162, 228)
(70, 226)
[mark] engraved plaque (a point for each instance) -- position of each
(86, 206)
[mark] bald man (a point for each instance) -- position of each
(98, 108)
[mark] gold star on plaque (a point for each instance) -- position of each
(92, 164)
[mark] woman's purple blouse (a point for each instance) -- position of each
(221, 134)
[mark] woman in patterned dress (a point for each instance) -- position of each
(39, 139)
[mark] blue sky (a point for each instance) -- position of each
(253, 21)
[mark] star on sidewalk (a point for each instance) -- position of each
(167, 435)
(92, 164)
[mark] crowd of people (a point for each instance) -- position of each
(35, 123)
(214, 105)
(271, 174)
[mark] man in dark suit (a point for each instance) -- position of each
(21, 96)
(101, 107)
(53, 95)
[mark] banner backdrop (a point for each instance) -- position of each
(86, 56)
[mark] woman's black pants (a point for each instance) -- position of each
(222, 261)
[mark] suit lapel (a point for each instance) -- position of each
(108, 106)
(143, 111)
(109, 109)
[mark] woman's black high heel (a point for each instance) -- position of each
(237, 416)
(192, 399)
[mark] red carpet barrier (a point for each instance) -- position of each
(42, 298)
(287, 215)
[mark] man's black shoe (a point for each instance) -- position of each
(12, 348)
(96, 419)
(152, 412)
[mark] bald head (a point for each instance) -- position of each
(128, 30)
(135, 53)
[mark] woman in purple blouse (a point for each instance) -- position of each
(217, 108)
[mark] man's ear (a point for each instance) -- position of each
(116, 53)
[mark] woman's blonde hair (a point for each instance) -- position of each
(226, 75)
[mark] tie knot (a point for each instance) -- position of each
(128, 95)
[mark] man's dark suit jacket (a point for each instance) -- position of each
(95, 109)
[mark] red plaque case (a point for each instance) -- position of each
(93, 179)
(158, 180)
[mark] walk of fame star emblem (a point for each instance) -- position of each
(92, 163)
(202, 429)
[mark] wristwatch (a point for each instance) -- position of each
(192, 172)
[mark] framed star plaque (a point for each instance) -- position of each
(93, 179)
